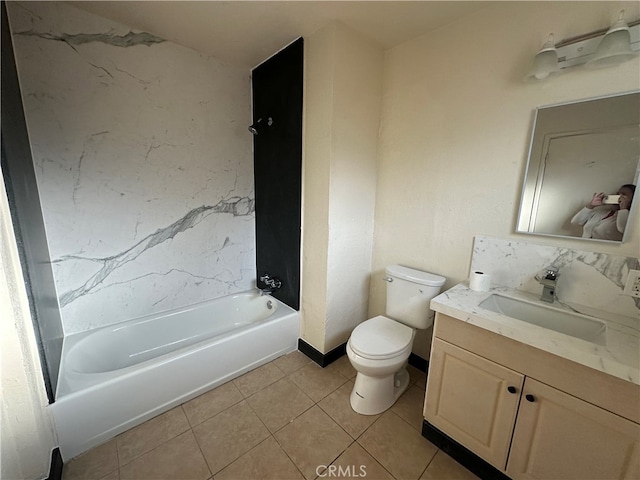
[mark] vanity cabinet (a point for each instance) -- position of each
(559, 436)
(520, 409)
(473, 400)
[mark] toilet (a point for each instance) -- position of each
(379, 347)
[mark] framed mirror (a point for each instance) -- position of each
(579, 149)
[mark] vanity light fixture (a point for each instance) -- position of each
(602, 48)
(545, 62)
(615, 47)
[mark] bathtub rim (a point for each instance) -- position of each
(67, 378)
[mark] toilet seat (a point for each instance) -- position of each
(381, 338)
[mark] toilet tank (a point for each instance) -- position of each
(409, 292)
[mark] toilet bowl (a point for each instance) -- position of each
(379, 348)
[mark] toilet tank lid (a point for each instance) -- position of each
(413, 275)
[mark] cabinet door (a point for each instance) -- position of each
(560, 436)
(473, 400)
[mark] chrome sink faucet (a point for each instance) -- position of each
(548, 279)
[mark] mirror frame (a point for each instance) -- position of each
(628, 102)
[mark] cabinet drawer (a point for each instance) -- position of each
(473, 400)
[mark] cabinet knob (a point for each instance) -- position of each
(512, 389)
(530, 398)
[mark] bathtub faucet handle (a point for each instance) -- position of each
(272, 284)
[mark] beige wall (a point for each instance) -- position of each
(357, 99)
(27, 434)
(342, 111)
(318, 85)
(456, 122)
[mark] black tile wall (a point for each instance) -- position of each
(277, 103)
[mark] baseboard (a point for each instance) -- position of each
(322, 359)
(55, 470)
(418, 362)
(461, 454)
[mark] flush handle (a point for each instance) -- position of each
(388, 279)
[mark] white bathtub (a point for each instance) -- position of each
(116, 377)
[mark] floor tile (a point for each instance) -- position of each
(147, 436)
(317, 382)
(179, 458)
(343, 366)
(257, 379)
(417, 377)
(338, 407)
(115, 475)
(94, 464)
(355, 462)
(443, 466)
(398, 447)
(291, 362)
(409, 406)
(267, 461)
(211, 403)
(279, 403)
(229, 435)
(312, 441)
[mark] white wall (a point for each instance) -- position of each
(143, 161)
(456, 122)
(343, 88)
(26, 433)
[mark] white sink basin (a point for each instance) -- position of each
(569, 323)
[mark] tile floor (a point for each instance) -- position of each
(285, 420)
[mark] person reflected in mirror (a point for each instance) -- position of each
(605, 221)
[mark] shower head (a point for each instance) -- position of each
(256, 127)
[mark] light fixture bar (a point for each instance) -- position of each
(587, 36)
(579, 50)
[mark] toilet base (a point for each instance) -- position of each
(374, 395)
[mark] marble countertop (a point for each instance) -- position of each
(620, 357)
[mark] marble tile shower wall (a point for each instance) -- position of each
(587, 278)
(143, 162)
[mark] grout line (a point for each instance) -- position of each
(245, 453)
(263, 387)
(430, 462)
(218, 413)
(258, 416)
(117, 457)
(371, 454)
(189, 430)
(206, 462)
(296, 386)
(288, 456)
(118, 438)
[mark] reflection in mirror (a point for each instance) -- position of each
(577, 150)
